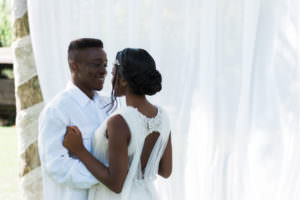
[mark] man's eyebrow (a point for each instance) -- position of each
(100, 59)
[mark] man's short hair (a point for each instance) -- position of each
(82, 43)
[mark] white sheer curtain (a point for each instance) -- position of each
(231, 83)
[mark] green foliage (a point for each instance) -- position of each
(8, 73)
(5, 23)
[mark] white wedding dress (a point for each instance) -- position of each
(137, 186)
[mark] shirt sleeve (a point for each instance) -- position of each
(55, 158)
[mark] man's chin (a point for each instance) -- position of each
(98, 88)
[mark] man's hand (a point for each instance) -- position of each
(73, 140)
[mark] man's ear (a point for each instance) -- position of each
(73, 66)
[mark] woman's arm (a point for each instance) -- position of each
(165, 164)
(114, 175)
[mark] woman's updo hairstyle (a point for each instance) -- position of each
(138, 68)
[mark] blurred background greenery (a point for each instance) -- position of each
(7, 100)
(8, 135)
(6, 31)
(5, 23)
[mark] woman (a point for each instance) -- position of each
(135, 142)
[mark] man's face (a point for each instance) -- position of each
(91, 71)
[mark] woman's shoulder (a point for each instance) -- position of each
(117, 122)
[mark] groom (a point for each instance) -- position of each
(64, 176)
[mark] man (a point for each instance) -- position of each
(64, 176)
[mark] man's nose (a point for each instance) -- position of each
(103, 71)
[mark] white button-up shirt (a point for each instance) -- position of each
(65, 177)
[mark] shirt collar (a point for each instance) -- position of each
(79, 95)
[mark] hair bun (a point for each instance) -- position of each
(138, 68)
(153, 83)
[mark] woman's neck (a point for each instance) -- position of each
(136, 101)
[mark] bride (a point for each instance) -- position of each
(134, 144)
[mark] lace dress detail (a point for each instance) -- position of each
(151, 124)
(137, 185)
